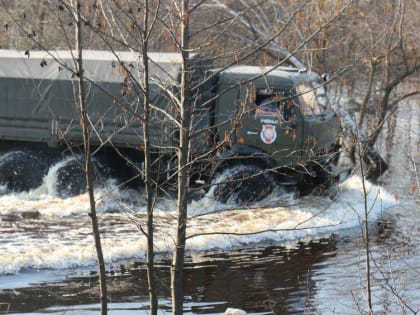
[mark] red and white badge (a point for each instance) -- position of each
(268, 134)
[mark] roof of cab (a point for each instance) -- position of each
(280, 77)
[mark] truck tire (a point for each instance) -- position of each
(20, 171)
(70, 178)
(243, 184)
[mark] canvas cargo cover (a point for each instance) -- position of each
(99, 65)
(38, 93)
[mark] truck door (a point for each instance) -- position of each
(321, 126)
(272, 124)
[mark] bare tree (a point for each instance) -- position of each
(148, 178)
(177, 268)
(393, 62)
(76, 7)
(112, 22)
(328, 24)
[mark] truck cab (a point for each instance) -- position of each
(283, 113)
(276, 126)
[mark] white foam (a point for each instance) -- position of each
(66, 241)
(306, 218)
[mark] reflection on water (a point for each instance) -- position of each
(259, 279)
(284, 256)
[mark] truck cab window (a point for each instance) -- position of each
(278, 105)
(267, 106)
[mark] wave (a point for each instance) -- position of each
(58, 235)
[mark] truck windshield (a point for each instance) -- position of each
(321, 95)
(309, 105)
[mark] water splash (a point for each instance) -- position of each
(60, 235)
(51, 179)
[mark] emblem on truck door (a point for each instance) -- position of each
(268, 133)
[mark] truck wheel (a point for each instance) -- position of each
(243, 184)
(69, 178)
(20, 171)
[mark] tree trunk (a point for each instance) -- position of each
(365, 102)
(365, 229)
(177, 268)
(88, 161)
(148, 179)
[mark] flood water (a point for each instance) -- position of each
(281, 256)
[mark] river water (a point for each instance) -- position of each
(280, 256)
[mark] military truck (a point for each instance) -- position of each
(251, 126)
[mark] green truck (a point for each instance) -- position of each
(251, 126)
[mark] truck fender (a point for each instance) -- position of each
(242, 154)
